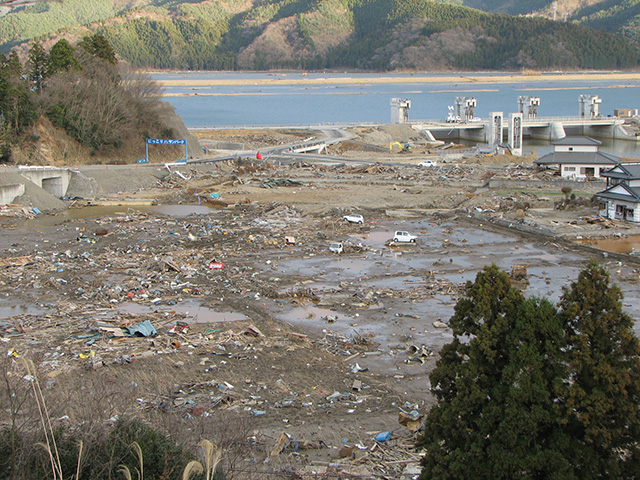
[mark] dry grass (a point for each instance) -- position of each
(83, 413)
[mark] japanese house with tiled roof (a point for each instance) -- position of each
(578, 158)
(621, 199)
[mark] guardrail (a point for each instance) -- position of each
(35, 168)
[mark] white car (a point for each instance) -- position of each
(428, 163)
(404, 237)
(354, 218)
(336, 247)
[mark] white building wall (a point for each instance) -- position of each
(576, 171)
(575, 148)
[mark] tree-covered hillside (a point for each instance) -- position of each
(319, 34)
(614, 16)
(83, 92)
(619, 16)
(44, 17)
(512, 7)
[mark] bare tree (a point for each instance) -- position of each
(141, 86)
(96, 110)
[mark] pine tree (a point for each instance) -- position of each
(37, 65)
(62, 58)
(527, 391)
(496, 385)
(603, 393)
(17, 109)
(99, 47)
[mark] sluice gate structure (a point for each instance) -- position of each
(544, 128)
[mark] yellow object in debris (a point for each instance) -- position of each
(403, 148)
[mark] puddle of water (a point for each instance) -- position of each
(30, 309)
(181, 210)
(310, 315)
(398, 283)
(617, 245)
(317, 318)
(355, 267)
(544, 282)
(378, 238)
(460, 277)
(194, 312)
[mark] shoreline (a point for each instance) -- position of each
(284, 79)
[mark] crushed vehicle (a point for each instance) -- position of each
(404, 237)
(354, 218)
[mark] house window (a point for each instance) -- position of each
(620, 209)
(569, 169)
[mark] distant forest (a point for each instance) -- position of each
(379, 35)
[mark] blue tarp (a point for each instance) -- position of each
(144, 329)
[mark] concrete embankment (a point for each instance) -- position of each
(29, 194)
(88, 183)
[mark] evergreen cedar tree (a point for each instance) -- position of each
(530, 390)
(99, 47)
(62, 58)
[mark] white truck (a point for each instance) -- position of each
(336, 247)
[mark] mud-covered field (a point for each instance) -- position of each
(259, 328)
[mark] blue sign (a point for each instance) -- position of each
(143, 160)
(166, 141)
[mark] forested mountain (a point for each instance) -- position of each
(512, 7)
(620, 16)
(615, 16)
(320, 34)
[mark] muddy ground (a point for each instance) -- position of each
(331, 349)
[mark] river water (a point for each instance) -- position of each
(244, 99)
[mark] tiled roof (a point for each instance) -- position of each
(633, 193)
(627, 171)
(577, 141)
(578, 158)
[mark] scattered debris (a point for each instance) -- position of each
(519, 273)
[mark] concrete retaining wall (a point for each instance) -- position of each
(8, 193)
(53, 180)
(594, 186)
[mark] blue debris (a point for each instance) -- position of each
(144, 329)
